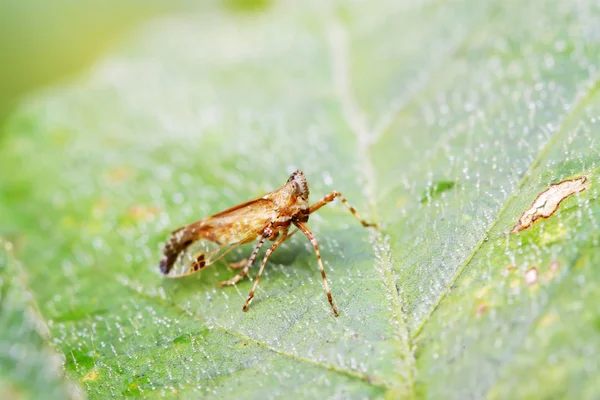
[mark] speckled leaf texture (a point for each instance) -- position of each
(441, 120)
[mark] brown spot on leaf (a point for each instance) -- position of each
(531, 275)
(548, 201)
(481, 309)
(143, 213)
(506, 271)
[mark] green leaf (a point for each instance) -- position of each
(29, 368)
(474, 107)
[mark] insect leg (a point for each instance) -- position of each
(262, 267)
(330, 197)
(249, 263)
(313, 241)
(239, 264)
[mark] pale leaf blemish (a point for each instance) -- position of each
(515, 284)
(119, 174)
(91, 376)
(548, 320)
(531, 276)
(548, 201)
(481, 293)
(143, 213)
(552, 271)
(552, 234)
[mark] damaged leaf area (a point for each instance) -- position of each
(548, 201)
(442, 144)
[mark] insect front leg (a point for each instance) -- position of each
(262, 267)
(246, 261)
(313, 241)
(330, 197)
(248, 264)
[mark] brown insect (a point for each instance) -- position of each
(200, 244)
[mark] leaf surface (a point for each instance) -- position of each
(442, 121)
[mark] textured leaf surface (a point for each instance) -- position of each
(28, 367)
(442, 121)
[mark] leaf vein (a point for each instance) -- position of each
(238, 335)
(581, 99)
(357, 124)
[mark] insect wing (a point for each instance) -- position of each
(198, 256)
(216, 236)
(240, 223)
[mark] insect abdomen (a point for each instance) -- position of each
(177, 243)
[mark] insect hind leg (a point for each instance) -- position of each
(315, 244)
(262, 267)
(239, 264)
(248, 263)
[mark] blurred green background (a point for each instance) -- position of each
(43, 42)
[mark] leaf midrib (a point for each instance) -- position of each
(356, 121)
(366, 138)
